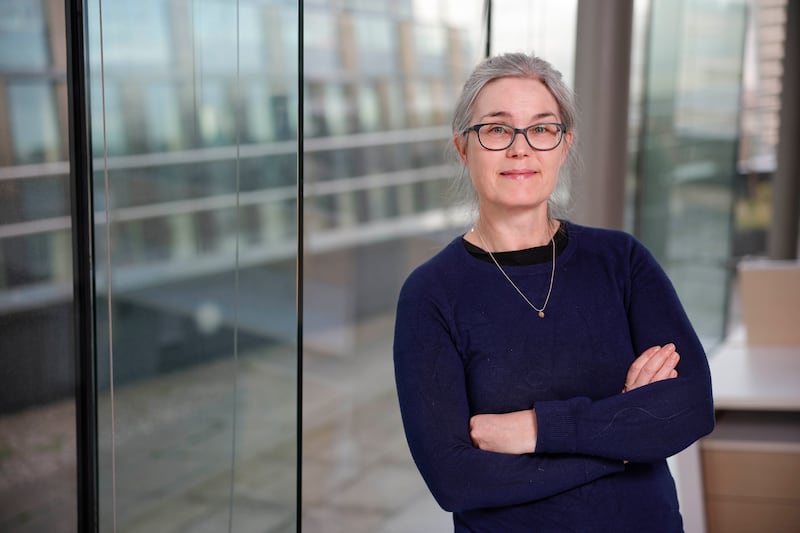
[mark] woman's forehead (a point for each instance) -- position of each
(507, 98)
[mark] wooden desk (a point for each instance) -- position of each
(751, 462)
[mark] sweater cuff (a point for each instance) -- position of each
(556, 430)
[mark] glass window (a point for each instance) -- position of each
(36, 199)
(688, 150)
(215, 113)
(392, 103)
(320, 43)
(38, 475)
(196, 283)
(369, 109)
(376, 6)
(109, 128)
(320, 26)
(336, 110)
(34, 122)
(376, 46)
(163, 121)
(421, 105)
(251, 38)
(215, 49)
(430, 44)
(260, 122)
(23, 38)
(760, 123)
(544, 27)
(135, 34)
(375, 207)
(374, 34)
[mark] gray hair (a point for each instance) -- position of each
(519, 65)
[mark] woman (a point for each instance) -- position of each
(537, 360)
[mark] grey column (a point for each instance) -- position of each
(602, 75)
(783, 229)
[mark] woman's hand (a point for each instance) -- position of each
(655, 364)
(513, 433)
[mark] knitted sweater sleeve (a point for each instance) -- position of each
(652, 422)
(434, 406)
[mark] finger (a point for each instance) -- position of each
(655, 363)
(651, 366)
(670, 362)
(636, 367)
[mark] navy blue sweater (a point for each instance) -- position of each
(467, 343)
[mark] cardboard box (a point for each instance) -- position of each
(770, 300)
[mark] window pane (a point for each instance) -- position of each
(38, 477)
(544, 27)
(688, 150)
(142, 44)
(34, 122)
(23, 38)
(196, 284)
(375, 207)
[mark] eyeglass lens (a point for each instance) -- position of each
(544, 136)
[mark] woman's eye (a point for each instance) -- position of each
(539, 129)
(498, 130)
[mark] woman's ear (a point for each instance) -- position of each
(567, 145)
(460, 143)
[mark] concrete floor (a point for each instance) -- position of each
(174, 437)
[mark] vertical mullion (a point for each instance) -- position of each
(83, 268)
(299, 272)
(487, 13)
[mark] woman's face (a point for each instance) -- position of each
(519, 177)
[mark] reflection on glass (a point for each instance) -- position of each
(196, 245)
(375, 44)
(376, 176)
(143, 44)
(162, 118)
(37, 409)
(544, 27)
(23, 37)
(34, 122)
(688, 150)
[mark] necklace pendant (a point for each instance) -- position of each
(541, 314)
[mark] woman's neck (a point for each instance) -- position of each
(512, 234)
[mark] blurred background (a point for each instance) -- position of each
(252, 217)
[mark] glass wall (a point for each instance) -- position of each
(542, 27)
(688, 150)
(760, 122)
(194, 127)
(37, 403)
(380, 81)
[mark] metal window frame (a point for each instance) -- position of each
(83, 267)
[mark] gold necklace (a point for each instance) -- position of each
(540, 312)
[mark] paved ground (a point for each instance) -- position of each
(174, 438)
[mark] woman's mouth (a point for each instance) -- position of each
(519, 174)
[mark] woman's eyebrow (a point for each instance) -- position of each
(507, 115)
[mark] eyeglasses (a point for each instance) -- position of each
(543, 137)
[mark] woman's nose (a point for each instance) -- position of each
(519, 146)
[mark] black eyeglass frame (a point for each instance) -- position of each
(562, 128)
